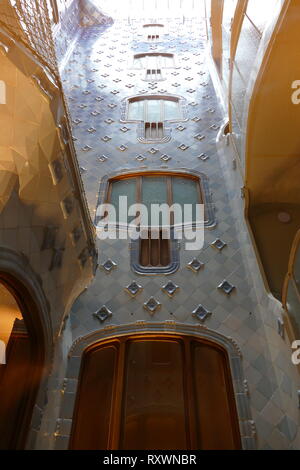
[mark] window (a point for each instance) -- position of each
(153, 31)
(153, 63)
(152, 60)
(157, 188)
(156, 248)
(155, 392)
(152, 111)
(154, 108)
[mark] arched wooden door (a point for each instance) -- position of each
(21, 367)
(155, 392)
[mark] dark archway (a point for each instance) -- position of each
(21, 375)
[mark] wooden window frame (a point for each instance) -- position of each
(290, 279)
(209, 212)
(182, 108)
(186, 343)
(135, 248)
(169, 176)
(162, 98)
(147, 64)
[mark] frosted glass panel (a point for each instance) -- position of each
(136, 111)
(154, 111)
(185, 191)
(153, 62)
(154, 191)
(126, 187)
(171, 110)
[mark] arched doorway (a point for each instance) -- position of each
(155, 392)
(21, 368)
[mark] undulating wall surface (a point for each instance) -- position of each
(66, 31)
(41, 218)
(245, 66)
(265, 123)
(98, 79)
(73, 15)
(227, 23)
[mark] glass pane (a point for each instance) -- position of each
(153, 111)
(185, 191)
(215, 413)
(136, 110)
(172, 110)
(125, 187)
(138, 62)
(93, 410)
(293, 306)
(154, 191)
(168, 61)
(154, 411)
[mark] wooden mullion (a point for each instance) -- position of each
(292, 279)
(115, 428)
(190, 405)
(200, 192)
(149, 249)
(109, 191)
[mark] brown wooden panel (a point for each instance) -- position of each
(155, 393)
(153, 406)
(15, 388)
(92, 413)
(215, 407)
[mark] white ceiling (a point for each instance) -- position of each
(152, 8)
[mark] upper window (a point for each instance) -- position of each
(153, 31)
(152, 111)
(151, 189)
(154, 60)
(155, 392)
